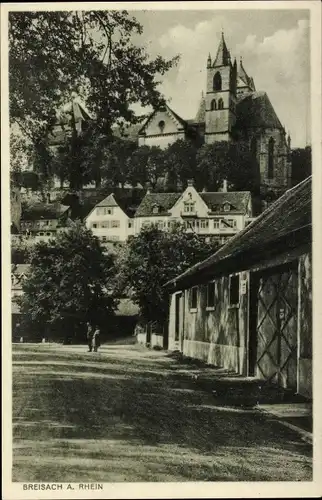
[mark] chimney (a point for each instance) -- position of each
(190, 182)
(224, 186)
(204, 190)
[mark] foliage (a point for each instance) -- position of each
(227, 161)
(148, 165)
(69, 283)
(301, 161)
(93, 52)
(153, 258)
(181, 163)
(20, 251)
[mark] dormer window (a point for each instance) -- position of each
(226, 207)
(161, 126)
(155, 209)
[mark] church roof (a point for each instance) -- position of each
(223, 55)
(243, 77)
(200, 116)
(254, 110)
(169, 111)
(70, 114)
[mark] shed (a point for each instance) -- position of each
(248, 307)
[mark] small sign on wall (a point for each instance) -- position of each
(243, 287)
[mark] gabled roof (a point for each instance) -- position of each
(127, 199)
(237, 199)
(215, 202)
(285, 225)
(223, 55)
(169, 111)
(255, 110)
(38, 211)
(109, 201)
(164, 201)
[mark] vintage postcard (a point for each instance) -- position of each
(161, 241)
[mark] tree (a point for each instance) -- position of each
(227, 161)
(93, 53)
(153, 258)
(116, 167)
(70, 282)
(301, 161)
(181, 164)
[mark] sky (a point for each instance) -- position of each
(274, 45)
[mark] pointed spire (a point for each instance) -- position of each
(201, 113)
(223, 55)
(209, 61)
(243, 75)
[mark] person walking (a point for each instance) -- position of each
(90, 334)
(96, 340)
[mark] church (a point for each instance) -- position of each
(231, 109)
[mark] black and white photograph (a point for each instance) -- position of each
(160, 180)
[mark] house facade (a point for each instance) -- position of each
(109, 220)
(42, 221)
(219, 215)
(248, 308)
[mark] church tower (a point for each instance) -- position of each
(220, 96)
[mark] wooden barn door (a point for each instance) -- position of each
(276, 327)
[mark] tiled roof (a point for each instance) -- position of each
(237, 200)
(164, 201)
(215, 202)
(36, 211)
(109, 201)
(288, 216)
(255, 110)
(127, 199)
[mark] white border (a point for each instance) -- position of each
(14, 491)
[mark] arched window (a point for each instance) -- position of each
(161, 126)
(220, 104)
(271, 145)
(217, 81)
(213, 105)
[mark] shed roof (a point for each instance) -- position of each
(288, 217)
